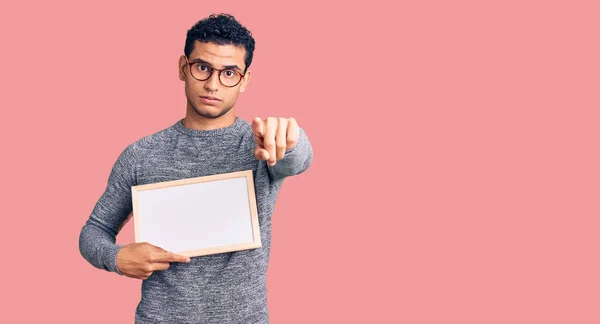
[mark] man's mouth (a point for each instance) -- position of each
(209, 99)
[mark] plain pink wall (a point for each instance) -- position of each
(456, 153)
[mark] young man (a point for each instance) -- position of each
(219, 288)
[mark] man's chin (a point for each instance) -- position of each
(210, 112)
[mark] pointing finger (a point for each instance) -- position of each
(257, 126)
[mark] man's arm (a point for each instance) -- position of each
(98, 235)
(283, 144)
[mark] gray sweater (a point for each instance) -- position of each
(220, 288)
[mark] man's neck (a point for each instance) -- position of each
(194, 121)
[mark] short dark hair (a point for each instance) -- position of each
(221, 29)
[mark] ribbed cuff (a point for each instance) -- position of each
(111, 258)
(295, 161)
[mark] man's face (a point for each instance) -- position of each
(198, 93)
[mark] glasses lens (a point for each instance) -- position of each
(200, 71)
(230, 78)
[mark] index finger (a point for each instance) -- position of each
(258, 126)
(170, 257)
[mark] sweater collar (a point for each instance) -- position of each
(231, 129)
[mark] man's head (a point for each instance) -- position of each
(216, 42)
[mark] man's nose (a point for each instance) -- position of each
(212, 83)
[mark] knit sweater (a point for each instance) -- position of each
(220, 288)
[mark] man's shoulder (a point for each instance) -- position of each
(149, 143)
(154, 140)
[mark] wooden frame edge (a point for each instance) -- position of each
(253, 209)
(136, 219)
(256, 239)
(220, 249)
(174, 183)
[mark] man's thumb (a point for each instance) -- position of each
(261, 154)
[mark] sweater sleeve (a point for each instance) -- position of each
(296, 160)
(98, 235)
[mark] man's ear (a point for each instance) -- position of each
(181, 67)
(245, 81)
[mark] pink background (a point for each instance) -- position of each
(456, 154)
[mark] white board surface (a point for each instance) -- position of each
(198, 216)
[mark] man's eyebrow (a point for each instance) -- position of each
(230, 67)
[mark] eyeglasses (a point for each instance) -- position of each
(202, 72)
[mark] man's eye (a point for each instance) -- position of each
(229, 73)
(202, 67)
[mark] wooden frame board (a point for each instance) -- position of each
(198, 216)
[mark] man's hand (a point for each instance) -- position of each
(273, 137)
(139, 260)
